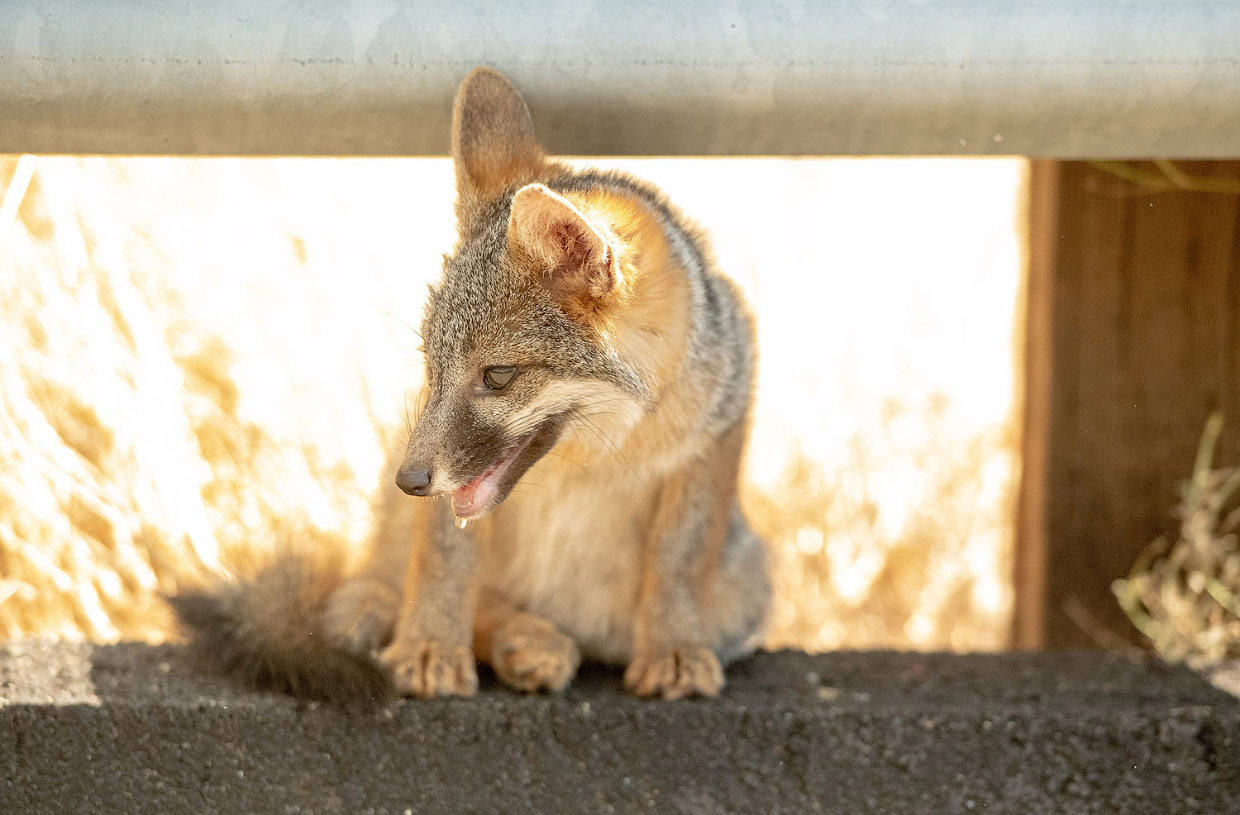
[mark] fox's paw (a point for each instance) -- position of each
(426, 668)
(360, 615)
(673, 673)
(532, 655)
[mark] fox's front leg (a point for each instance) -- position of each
(676, 631)
(431, 653)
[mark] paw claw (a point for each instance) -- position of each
(427, 668)
(674, 673)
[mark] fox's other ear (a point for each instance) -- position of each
(570, 255)
(493, 144)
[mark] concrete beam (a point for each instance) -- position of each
(1057, 78)
(131, 728)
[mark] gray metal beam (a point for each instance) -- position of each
(1055, 78)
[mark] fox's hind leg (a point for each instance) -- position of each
(361, 614)
(526, 651)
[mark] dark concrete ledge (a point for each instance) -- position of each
(131, 728)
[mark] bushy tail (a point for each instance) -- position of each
(267, 633)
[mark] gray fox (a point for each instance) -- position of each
(589, 382)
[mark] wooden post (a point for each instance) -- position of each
(1133, 339)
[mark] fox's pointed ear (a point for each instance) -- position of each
(571, 256)
(493, 143)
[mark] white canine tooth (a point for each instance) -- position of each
(461, 523)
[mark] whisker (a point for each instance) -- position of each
(521, 486)
(408, 426)
(393, 316)
(617, 453)
(418, 405)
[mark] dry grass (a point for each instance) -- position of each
(845, 577)
(1185, 596)
(204, 359)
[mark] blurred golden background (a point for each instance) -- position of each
(202, 358)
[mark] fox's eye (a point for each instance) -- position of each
(497, 378)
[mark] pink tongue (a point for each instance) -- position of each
(475, 495)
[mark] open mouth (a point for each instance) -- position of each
(481, 494)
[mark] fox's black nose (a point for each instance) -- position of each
(413, 481)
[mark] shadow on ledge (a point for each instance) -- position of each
(135, 728)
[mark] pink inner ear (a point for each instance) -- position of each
(578, 258)
(574, 245)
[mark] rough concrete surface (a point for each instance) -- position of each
(132, 728)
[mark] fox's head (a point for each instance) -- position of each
(541, 319)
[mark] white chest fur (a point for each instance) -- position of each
(567, 545)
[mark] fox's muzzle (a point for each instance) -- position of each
(477, 465)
